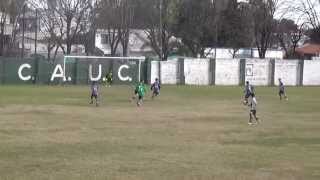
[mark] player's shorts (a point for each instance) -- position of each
(140, 97)
(253, 111)
(93, 95)
(156, 92)
(281, 92)
(248, 95)
(135, 92)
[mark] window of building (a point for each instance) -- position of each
(104, 39)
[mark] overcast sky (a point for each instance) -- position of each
(284, 5)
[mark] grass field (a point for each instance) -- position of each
(51, 133)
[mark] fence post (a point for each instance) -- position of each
(181, 71)
(272, 71)
(242, 72)
(1, 71)
(3, 79)
(159, 75)
(212, 72)
(76, 72)
(36, 70)
(300, 72)
(148, 63)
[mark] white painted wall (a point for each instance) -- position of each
(258, 72)
(169, 71)
(154, 70)
(287, 70)
(196, 71)
(311, 73)
(228, 72)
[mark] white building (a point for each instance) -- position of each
(227, 53)
(138, 43)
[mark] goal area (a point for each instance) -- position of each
(85, 69)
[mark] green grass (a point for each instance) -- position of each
(187, 133)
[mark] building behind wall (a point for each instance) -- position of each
(227, 53)
(138, 43)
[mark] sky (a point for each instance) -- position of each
(286, 9)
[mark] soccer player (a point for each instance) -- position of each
(248, 92)
(109, 79)
(253, 110)
(141, 91)
(136, 89)
(155, 88)
(94, 92)
(282, 92)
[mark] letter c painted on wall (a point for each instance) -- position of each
(120, 75)
(23, 66)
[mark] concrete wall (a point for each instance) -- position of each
(154, 71)
(227, 72)
(196, 72)
(258, 72)
(287, 70)
(311, 73)
(169, 72)
(232, 72)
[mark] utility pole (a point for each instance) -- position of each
(36, 33)
(23, 29)
(161, 33)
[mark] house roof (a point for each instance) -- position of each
(313, 49)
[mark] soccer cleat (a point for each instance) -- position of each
(250, 123)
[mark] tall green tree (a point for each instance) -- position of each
(196, 25)
(263, 13)
(236, 27)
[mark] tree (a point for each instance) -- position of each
(127, 14)
(157, 17)
(263, 12)
(72, 18)
(289, 34)
(196, 25)
(9, 10)
(109, 19)
(236, 30)
(4, 8)
(310, 13)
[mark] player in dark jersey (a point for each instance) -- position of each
(155, 88)
(282, 92)
(248, 92)
(253, 110)
(95, 92)
(109, 79)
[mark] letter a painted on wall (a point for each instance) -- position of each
(58, 73)
(24, 78)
